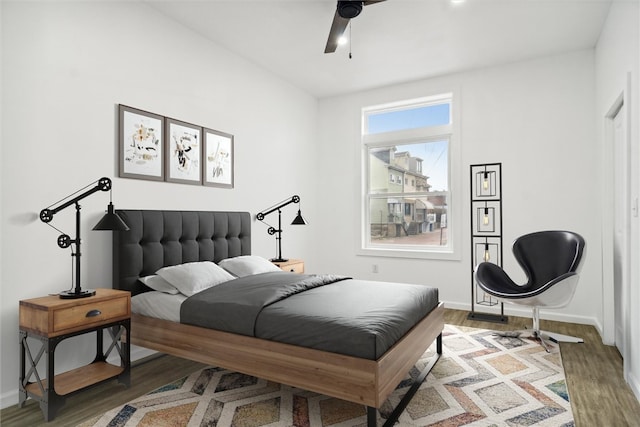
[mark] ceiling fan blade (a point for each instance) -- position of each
(368, 2)
(337, 28)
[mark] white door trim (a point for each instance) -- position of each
(608, 301)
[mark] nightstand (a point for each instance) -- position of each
(292, 265)
(51, 320)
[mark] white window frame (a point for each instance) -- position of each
(450, 132)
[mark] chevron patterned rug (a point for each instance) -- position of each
(480, 380)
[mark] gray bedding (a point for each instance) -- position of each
(331, 313)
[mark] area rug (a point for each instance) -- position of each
(482, 379)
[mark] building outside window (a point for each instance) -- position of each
(410, 143)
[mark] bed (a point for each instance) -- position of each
(158, 239)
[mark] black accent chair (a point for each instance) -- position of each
(551, 261)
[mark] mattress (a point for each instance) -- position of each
(158, 305)
(358, 318)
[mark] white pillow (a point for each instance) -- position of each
(193, 277)
(247, 265)
(157, 283)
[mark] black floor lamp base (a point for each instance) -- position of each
(83, 293)
(488, 317)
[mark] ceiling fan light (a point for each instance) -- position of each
(349, 9)
(345, 11)
(342, 40)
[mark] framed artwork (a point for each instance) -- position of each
(218, 159)
(141, 144)
(183, 152)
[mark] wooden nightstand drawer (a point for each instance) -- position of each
(51, 316)
(292, 265)
(87, 314)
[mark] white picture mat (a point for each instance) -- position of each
(142, 144)
(218, 158)
(184, 152)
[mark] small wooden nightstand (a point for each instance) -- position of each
(51, 320)
(292, 265)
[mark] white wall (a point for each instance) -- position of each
(617, 60)
(536, 118)
(65, 67)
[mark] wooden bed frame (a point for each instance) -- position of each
(368, 382)
(345, 377)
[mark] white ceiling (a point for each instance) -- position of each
(393, 41)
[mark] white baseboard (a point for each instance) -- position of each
(11, 398)
(634, 383)
(514, 310)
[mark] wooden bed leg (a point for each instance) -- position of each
(399, 409)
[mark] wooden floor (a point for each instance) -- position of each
(599, 395)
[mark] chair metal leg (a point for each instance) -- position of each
(558, 338)
(536, 328)
(551, 336)
(539, 335)
(540, 339)
(536, 320)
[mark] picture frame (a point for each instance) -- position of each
(218, 159)
(183, 152)
(140, 144)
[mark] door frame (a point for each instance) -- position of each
(608, 294)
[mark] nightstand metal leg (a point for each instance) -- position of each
(25, 351)
(121, 345)
(52, 401)
(22, 394)
(125, 354)
(100, 356)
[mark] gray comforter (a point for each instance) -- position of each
(331, 313)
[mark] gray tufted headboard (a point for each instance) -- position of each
(160, 238)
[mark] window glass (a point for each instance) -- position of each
(412, 118)
(408, 222)
(407, 188)
(422, 166)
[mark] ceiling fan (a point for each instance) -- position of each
(345, 11)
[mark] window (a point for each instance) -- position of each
(411, 143)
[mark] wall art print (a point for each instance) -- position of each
(218, 159)
(184, 152)
(141, 144)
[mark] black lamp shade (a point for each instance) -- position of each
(299, 220)
(111, 221)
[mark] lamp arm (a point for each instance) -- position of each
(294, 199)
(103, 184)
